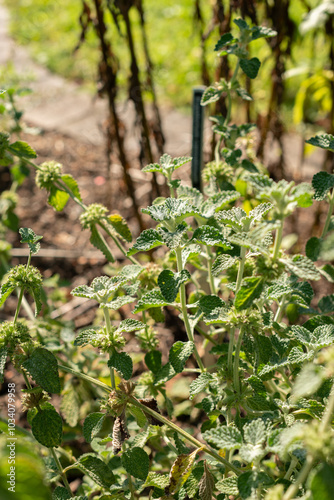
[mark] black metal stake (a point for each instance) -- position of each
(197, 138)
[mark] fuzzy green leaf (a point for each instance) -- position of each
(121, 227)
(72, 184)
(322, 182)
(165, 373)
(6, 290)
(255, 432)
(312, 249)
(328, 272)
(249, 481)
(154, 298)
(326, 304)
(206, 485)
(61, 493)
(173, 238)
(158, 480)
(190, 251)
(228, 438)
(101, 288)
(210, 236)
(58, 198)
(153, 361)
(22, 150)
(250, 66)
(100, 243)
(325, 141)
(86, 336)
(28, 236)
(70, 406)
(130, 272)
(222, 263)
(211, 94)
(262, 32)
(92, 425)
(302, 267)
(233, 217)
(224, 40)
(179, 353)
(47, 428)
(97, 470)
(200, 384)
(43, 367)
(249, 291)
(169, 283)
(171, 208)
(148, 239)
(229, 486)
(122, 362)
(136, 462)
(260, 211)
(130, 325)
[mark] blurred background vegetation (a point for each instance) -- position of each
(181, 37)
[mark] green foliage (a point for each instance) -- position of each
(43, 368)
(231, 290)
(136, 462)
(122, 362)
(47, 428)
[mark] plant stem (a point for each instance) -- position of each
(278, 240)
(185, 434)
(185, 312)
(229, 107)
(280, 310)
(18, 307)
(211, 280)
(156, 415)
(110, 335)
(118, 243)
(63, 475)
(293, 463)
(92, 380)
(241, 269)
(329, 214)
(230, 353)
(294, 487)
(206, 335)
(236, 380)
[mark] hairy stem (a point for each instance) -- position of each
(156, 415)
(241, 269)
(210, 276)
(236, 380)
(62, 473)
(280, 310)
(229, 97)
(185, 312)
(109, 331)
(185, 434)
(278, 240)
(205, 335)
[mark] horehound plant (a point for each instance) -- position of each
(259, 418)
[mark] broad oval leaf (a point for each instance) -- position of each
(43, 367)
(136, 462)
(47, 428)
